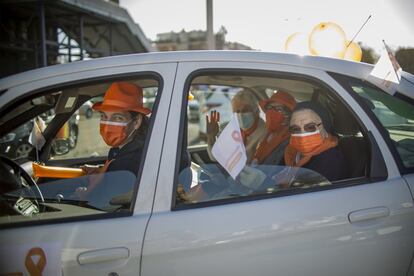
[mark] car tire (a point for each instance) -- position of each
(73, 136)
(22, 150)
(88, 113)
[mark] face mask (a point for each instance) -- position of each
(306, 142)
(114, 133)
(246, 120)
(274, 120)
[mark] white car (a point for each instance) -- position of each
(150, 224)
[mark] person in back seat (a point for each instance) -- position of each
(312, 144)
(278, 109)
(245, 105)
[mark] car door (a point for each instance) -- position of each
(359, 226)
(87, 241)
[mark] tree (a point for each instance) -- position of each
(368, 55)
(405, 57)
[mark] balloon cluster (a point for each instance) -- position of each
(326, 39)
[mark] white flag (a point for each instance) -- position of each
(229, 149)
(36, 137)
(386, 73)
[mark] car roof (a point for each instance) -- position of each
(350, 68)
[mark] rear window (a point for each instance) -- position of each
(396, 116)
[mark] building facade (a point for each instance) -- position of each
(194, 40)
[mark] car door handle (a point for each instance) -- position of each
(368, 214)
(103, 255)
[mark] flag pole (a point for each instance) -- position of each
(36, 143)
(366, 21)
(391, 55)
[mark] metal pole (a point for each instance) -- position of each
(211, 45)
(35, 38)
(42, 27)
(81, 36)
(69, 48)
(110, 40)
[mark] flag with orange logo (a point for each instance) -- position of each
(229, 149)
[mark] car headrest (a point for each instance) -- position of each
(344, 122)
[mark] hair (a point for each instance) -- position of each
(247, 96)
(319, 110)
(143, 129)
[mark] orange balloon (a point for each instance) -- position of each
(327, 39)
(297, 43)
(353, 52)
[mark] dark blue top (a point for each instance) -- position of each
(330, 164)
(128, 158)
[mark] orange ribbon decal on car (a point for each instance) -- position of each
(32, 268)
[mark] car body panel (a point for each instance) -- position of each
(307, 234)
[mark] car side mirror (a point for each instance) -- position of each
(60, 146)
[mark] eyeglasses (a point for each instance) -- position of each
(278, 108)
(310, 127)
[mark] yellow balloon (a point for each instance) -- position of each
(353, 52)
(327, 39)
(297, 43)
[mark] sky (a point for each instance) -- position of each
(265, 24)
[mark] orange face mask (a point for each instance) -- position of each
(274, 120)
(113, 133)
(306, 142)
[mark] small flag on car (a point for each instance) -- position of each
(387, 72)
(36, 137)
(229, 149)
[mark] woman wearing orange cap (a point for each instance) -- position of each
(277, 109)
(123, 126)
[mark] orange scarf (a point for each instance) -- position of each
(266, 147)
(290, 152)
(246, 133)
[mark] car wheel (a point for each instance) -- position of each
(73, 136)
(23, 150)
(88, 113)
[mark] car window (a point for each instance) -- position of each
(395, 115)
(261, 146)
(82, 133)
(17, 144)
(90, 138)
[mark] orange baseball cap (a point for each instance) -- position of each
(279, 97)
(122, 96)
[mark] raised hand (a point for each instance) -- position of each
(213, 126)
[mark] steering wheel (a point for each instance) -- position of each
(13, 181)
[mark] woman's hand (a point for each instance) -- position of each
(90, 169)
